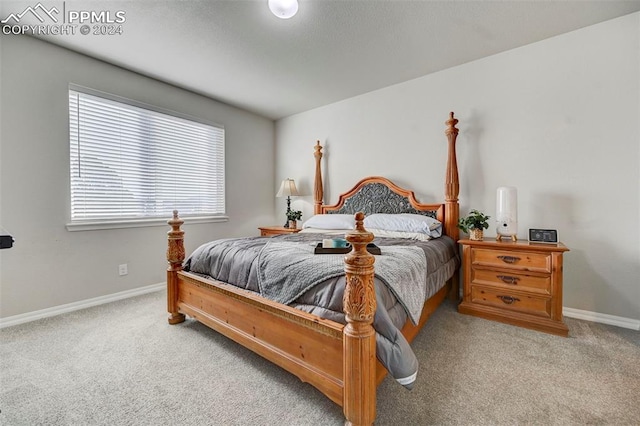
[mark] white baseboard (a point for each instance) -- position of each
(76, 306)
(601, 318)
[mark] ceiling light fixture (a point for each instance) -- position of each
(283, 9)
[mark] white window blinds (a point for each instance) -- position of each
(130, 162)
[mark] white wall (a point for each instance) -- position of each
(49, 266)
(557, 119)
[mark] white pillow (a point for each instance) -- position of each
(398, 234)
(331, 221)
(404, 222)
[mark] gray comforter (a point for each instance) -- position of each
(242, 262)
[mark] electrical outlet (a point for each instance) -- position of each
(123, 269)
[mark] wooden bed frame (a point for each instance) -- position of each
(339, 360)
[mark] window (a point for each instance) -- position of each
(132, 163)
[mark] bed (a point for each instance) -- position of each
(338, 359)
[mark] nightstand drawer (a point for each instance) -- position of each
(529, 304)
(511, 280)
(521, 260)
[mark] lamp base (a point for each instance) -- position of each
(286, 225)
(513, 237)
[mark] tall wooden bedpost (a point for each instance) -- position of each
(318, 192)
(175, 257)
(359, 343)
(451, 191)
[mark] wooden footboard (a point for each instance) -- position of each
(303, 344)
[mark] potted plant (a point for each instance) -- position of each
(474, 224)
(293, 216)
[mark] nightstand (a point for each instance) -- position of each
(518, 283)
(269, 231)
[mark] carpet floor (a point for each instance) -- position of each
(117, 364)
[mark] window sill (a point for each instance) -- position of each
(139, 223)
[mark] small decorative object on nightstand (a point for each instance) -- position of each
(294, 216)
(474, 224)
(507, 213)
(519, 283)
(270, 231)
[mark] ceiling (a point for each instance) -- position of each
(237, 52)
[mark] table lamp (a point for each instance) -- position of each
(287, 189)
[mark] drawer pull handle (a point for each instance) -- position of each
(508, 299)
(509, 259)
(508, 279)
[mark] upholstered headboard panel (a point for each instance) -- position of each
(378, 198)
(380, 195)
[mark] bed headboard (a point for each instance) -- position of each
(379, 195)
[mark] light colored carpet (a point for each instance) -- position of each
(116, 364)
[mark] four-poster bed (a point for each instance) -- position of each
(339, 360)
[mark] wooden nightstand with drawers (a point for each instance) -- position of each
(518, 283)
(270, 231)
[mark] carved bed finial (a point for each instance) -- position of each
(451, 124)
(318, 191)
(360, 222)
(359, 272)
(175, 249)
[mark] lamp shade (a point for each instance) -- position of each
(287, 188)
(283, 9)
